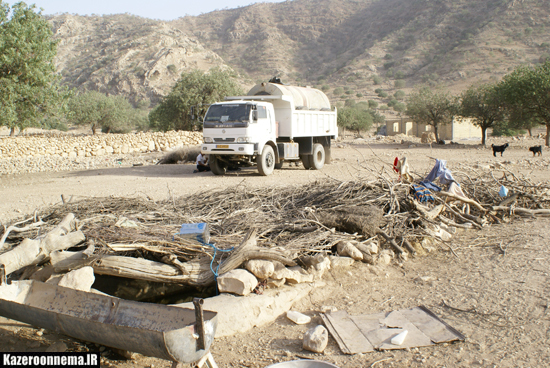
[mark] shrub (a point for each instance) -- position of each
(376, 79)
(383, 107)
(383, 94)
(349, 92)
(399, 75)
(388, 56)
(359, 95)
(400, 107)
(378, 90)
(392, 102)
(338, 91)
(325, 87)
(399, 95)
(400, 83)
(172, 69)
(373, 104)
(350, 103)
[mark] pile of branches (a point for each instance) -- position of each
(298, 220)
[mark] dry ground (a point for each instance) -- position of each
(495, 291)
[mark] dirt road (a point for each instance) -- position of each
(496, 290)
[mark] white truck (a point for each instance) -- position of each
(272, 124)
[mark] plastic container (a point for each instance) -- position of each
(303, 364)
(199, 231)
(298, 318)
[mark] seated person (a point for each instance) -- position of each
(202, 163)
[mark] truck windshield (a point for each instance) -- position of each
(227, 115)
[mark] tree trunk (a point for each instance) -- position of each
(436, 132)
(12, 132)
(483, 135)
(530, 130)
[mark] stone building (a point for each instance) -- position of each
(459, 128)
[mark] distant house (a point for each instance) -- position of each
(459, 128)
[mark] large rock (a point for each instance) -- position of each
(316, 339)
(347, 249)
(341, 262)
(238, 281)
(260, 268)
(81, 279)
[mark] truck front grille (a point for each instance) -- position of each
(224, 139)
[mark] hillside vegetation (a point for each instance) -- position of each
(348, 48)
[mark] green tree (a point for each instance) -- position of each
(483, 104)
(29, 89)
(355, 119)
(190, 98)
(432, 108)
(111, 114)
(373, 104)
(526, 93)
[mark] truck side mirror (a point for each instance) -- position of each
(255, 115)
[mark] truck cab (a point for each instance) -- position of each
(236, 133)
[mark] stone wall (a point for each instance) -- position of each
(72, 146)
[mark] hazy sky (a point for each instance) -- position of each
(155, 9)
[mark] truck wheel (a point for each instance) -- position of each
(217, 166)
(328, 155)
(266, 161)
(318, 158)
(306, 161)
(279, 165)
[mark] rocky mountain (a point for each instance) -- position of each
(349, 48)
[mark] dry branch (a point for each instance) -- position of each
(34, 251)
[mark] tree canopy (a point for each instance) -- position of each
(483, 104)
(432, 108)
(355, 118)
(29, 89)
(526, 93)
(190, 98)
(111, 114)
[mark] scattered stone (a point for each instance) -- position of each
(58, 347)
(238, 281)
(347, 249)
(81, 279)
(272, 283)
(260, 268)
(297, 275)
(341, 262)
(297, 317)
(316, 339)
(385, 257)
(328, 309)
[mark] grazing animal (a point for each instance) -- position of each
(536, 150)
(499, 149)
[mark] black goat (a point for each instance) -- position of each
(535, 150)
(499, 149)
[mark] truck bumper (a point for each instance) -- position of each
(229, 149)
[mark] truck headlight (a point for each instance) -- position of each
(243, 139)
(208, 140)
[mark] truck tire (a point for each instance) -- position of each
(279, 165)
(266, 161)
(318, 157)
(217, 166)
(306, 161)
(328, 155)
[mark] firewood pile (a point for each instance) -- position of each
(135, 237)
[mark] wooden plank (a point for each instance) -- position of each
(431, 325)
(346, 333)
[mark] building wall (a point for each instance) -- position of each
(460, 128)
